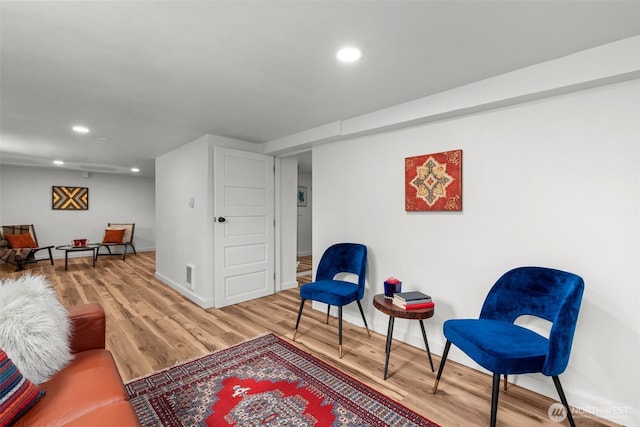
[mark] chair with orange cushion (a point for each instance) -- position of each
(19, 245)
(118, 235)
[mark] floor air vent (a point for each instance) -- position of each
(190, 275)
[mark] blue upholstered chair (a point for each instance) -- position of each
(502, 347)
(339, 258)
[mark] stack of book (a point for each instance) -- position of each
(413, 300)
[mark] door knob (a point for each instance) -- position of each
(222, 219)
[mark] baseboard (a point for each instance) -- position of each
(289, 285)
(187, 293)
(305, 253)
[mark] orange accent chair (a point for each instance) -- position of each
(118, 235)
(19, 245)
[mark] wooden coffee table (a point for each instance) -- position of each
(387, 307)
(93, 247)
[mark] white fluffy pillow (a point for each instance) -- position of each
(34, 327)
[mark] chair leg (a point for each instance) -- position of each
(365, 320)
(495, 390)
(295, 332)
(50, 256)
(563, 399)
(124, 252)
(505, 382)
(340, 331)
(328, 310)
(443, 360)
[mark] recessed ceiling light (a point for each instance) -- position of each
(103, 138)
(135, 170)
(349, 54)
(80, 129)
(58, 162)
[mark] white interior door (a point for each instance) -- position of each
(244, 226)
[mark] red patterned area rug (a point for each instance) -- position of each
(265, 381)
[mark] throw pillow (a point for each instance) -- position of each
(18, 241)
(17, 394)
(113, 235)
(34, 327)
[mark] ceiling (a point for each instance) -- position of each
(147, 77)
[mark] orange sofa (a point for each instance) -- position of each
(89, 391)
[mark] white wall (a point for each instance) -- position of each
(305, 217)
(185, 235)
(553, 182)
(25, 198)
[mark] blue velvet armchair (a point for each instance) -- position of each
(504, 348)
(339, 258)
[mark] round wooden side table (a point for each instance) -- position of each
(388, 307)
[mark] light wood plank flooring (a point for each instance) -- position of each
(305, 263)
(304, 274)
(150, 327)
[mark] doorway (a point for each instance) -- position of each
(304, 218)
(305, 204)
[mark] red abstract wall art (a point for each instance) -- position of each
(433, 182)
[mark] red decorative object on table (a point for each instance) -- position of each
(391, 286)
(79, 243)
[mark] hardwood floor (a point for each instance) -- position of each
(303, 270)
(150, 327)
(305, 263)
